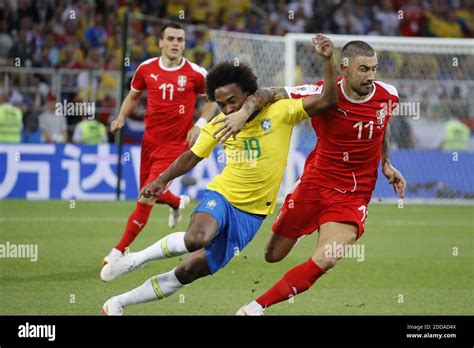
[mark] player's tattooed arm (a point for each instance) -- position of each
(393, 176)
(180, 166)
(233, 123)
(262, 97)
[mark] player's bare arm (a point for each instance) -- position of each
(207, 113)
(233, 123)
(182, 165)
(316, 103)
(393, 176)
(128, 105)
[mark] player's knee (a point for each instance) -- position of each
(272, 256)
(187, 273)
(196, 238)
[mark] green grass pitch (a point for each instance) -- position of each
(418, 260)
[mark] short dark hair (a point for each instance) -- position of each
(226, 73)
(174, 25)
(357, 48)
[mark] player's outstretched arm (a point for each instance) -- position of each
(180, 166)
(393, 176)
(317, 103)
(234, 122)
(128, 105)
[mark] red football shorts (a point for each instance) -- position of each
(309, 206)
(155, 159)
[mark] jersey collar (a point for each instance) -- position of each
(357, 101)
(173, 68)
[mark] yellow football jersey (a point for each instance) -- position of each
(256, 160)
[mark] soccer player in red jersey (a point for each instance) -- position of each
(333, 193)
(172, 84)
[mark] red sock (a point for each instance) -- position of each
(135, 224)
(169, 198)
(295, 281)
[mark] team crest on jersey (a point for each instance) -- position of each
(211, 204)
(182, 80)
(381, 113)
(266, 124)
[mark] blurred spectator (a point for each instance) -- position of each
(388, 19)
(346, 22)
(232, 23)
(296, 22)
(96, 35)
(376, 29)
(200, 50)
(11, 121)
(441, 21)
(413, 18)
(22, 50)
(52, 125)
(89, 132)
(465, 16)
(6, 41)
(457, 136)
(253, 25)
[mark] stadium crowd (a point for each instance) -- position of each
(86, 35)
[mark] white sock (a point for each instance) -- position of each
(169, 246)
(155, 288)
(255, 306)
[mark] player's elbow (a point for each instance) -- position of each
(133, 97)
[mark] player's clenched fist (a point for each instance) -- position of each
(323, 45)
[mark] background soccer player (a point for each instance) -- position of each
(236, 201)
(172, 84)
(333, 193)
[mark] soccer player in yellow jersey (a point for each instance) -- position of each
(237, 201)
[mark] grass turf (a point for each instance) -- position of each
(418, 261)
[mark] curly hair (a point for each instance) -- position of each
(225, 73)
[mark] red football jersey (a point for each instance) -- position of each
(350, 136)
(171, 99)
